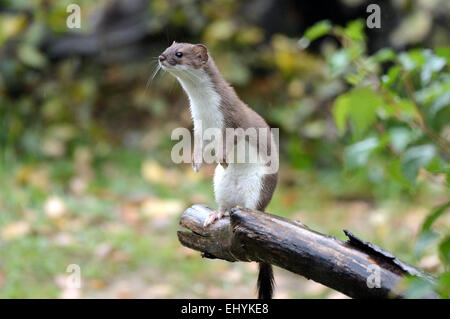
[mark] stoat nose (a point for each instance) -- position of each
(162, 58)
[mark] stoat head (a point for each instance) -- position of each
(183, 58)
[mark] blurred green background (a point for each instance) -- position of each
(85, 170)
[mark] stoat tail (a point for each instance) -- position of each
(265, 281)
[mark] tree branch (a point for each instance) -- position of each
(255, 236)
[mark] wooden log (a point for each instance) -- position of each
(346, 266)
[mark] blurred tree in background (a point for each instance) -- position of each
(85, 134)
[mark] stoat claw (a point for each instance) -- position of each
(196, 167)
(214, 216)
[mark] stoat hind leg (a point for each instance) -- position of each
(218, 191)
(214, 216)
(237, 185)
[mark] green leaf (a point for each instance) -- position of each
(400, 137)
(338, 62)
(439, 103)
(438, 166)
(318, 30)
(412, 59)
(435, 214)
(31, 56)
(391, 76)
(359, 105)
(364, 105)
(314, 32)
(444, 249)
(425, 240)
(444, 285)
(353, 79)
(433, 63)
(444, 52)
(435, 96)
(395, 173)
(384, 55)
(297, 156)
(355, 30)
(355, 51)
(357, 155)
(341, 111)
(415, 158)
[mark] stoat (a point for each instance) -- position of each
(215, 104)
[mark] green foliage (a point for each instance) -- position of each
(398, 115)
(359, 106)
(318, 30)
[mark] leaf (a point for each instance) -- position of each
(298, 157)
(412, 59)
(341, 111)
(438, 166)
(415, 158)
(400, 137)
(433, 63)
(355, 30)
(360, 106)
(444, 249)
(338, 62)
(31, 56)
(364, 104)
(357, 155)
(11, 25)
(406, 109)
(435, 214)
(425, 240)
(444, 52)
(396, 174)
(444, 285)
(318, 30)
(430, 93)
(384, 55)
(354, 79)
(391, 76)
(439, 103)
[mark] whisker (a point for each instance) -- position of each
(156, 71)
(150, 79)
(152, 59)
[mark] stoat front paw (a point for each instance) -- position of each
(214, 216)
(196, 167)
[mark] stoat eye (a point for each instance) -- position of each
(179, 54)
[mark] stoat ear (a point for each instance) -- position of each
(202, 52)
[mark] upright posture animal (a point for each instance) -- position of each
(215, 104)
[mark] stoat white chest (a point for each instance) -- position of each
(240, 183)
(204, 101)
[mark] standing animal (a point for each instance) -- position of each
(215, 104)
